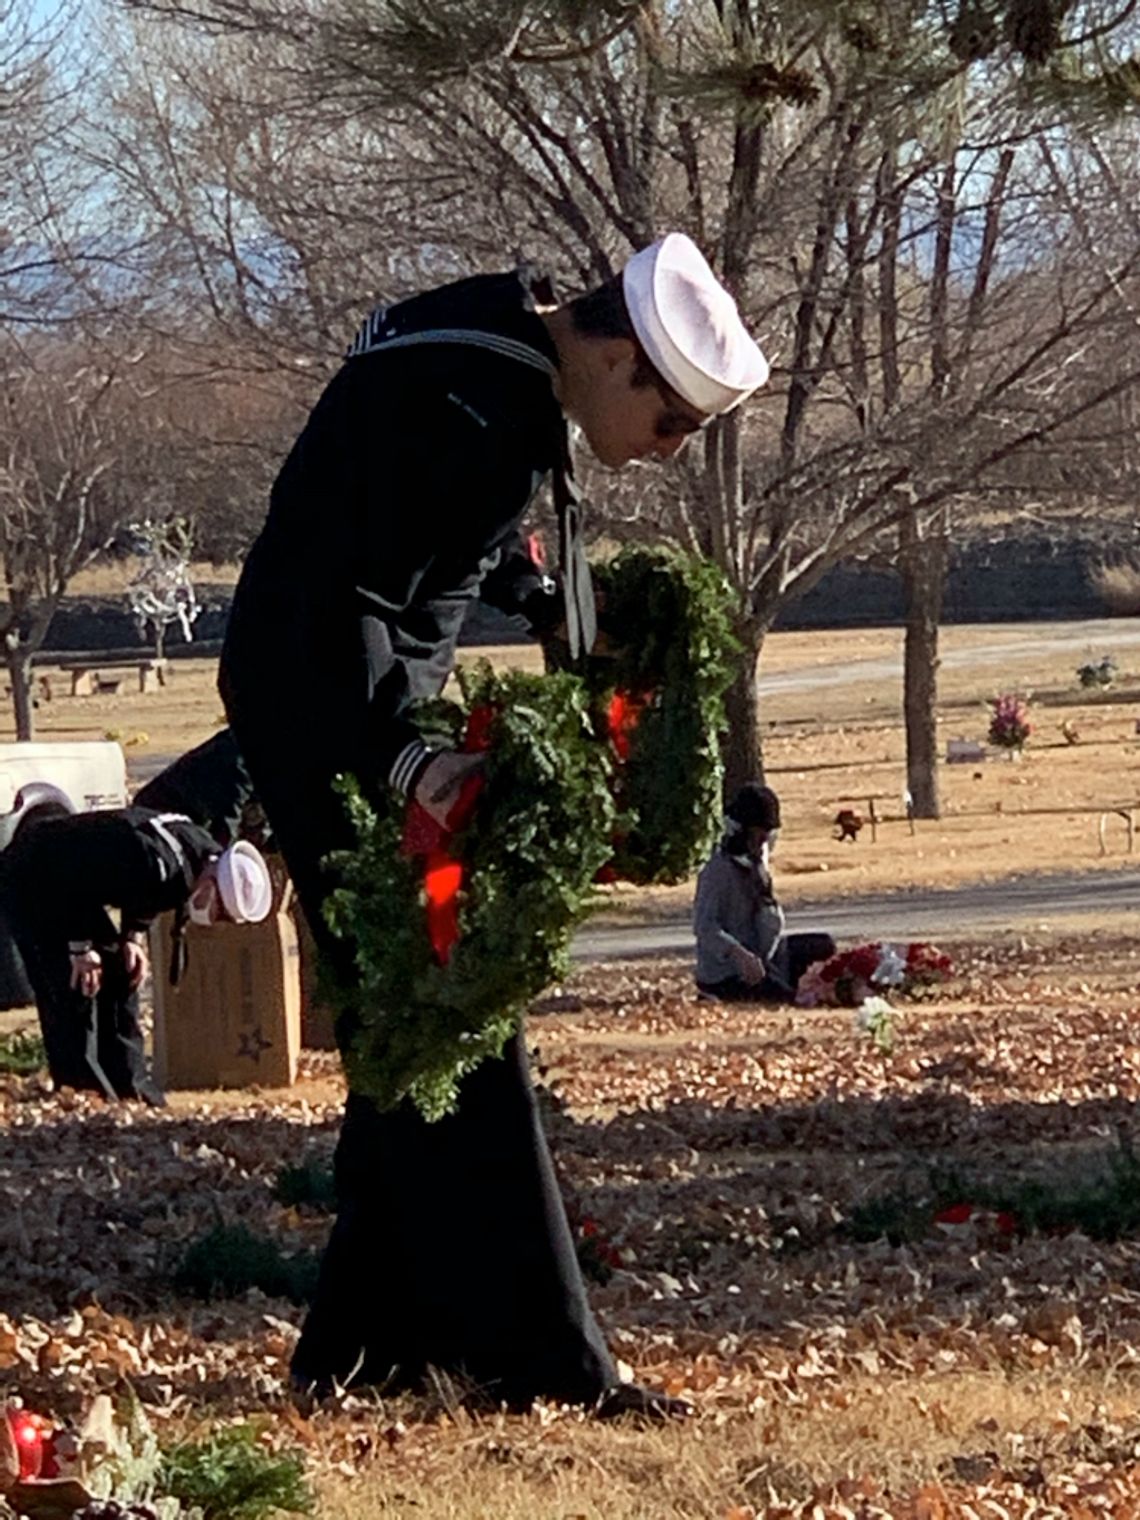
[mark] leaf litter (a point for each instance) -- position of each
(970, 1369)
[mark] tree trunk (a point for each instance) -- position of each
(19, 663)
(922, 565)
(743, 760)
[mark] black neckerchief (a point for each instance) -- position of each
(577, 585)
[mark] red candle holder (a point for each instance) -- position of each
(27, 1432)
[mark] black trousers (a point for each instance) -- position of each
(451, 1247)
(796, 953)
(451, 1250)
(92, 1043)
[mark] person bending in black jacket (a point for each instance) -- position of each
(400, 503)
(211, 785)
(58, 877)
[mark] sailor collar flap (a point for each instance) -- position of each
(489, 312)
(390, 328)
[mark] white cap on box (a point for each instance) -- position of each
(34, 794)
(244, 884)
(690, 327)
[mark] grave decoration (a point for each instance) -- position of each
(454, 934)
(1010, 727)
(656, 685)
(864, 977)
(161, 592)
(109, 1465)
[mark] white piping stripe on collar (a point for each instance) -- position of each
(158, 826)
(509, 348)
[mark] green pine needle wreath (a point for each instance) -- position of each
(667, 619)
(540, 831)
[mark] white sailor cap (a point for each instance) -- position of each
(244, 884)
(37, 794)
(690, 327)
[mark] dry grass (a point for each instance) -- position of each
(112, 577)
(868, 1440)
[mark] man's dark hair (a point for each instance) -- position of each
(42, 812)
(602, 313)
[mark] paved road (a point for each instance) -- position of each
(898, 915)
(1005, 644)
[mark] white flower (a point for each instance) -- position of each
(876, 1017)
(870, 1012)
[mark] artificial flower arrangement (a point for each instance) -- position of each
(1010, 727)
(861, 979)
(852, 976)
(110, 1465)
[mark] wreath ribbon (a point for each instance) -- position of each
(622, 717)
(424, 836)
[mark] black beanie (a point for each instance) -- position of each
(755, 806)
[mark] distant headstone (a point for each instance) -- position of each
(964, 752)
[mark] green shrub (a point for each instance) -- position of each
(310, 1182)
(229, 1476)
(231, 1260)
(22, 1054)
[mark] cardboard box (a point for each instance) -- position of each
(234, 1018)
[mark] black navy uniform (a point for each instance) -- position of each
(57, 879)
(210, 784)
(398, 505)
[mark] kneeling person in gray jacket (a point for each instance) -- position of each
(743, 951)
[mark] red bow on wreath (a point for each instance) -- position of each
(622, 717)
(443, 874)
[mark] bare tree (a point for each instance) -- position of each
(814, 156)
(24, 97)
(65, 418)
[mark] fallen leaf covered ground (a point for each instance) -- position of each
(731, 1158)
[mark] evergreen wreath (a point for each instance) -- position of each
(657, 689)
(530, 851)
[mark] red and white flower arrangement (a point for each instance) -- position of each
(861, 978)
(848, 979)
